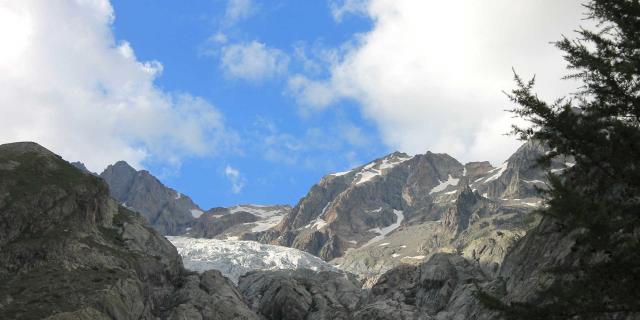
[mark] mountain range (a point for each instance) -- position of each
(413, 237)
(395, 210)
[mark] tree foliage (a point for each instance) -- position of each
(599, 127)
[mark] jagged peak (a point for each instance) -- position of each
(121, 167)
(123, 164)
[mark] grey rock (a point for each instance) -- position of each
(69, 251)
(210, 226)
(301, 294)
(210, 296)
(237, 221)
(428, 287)
(167, 210)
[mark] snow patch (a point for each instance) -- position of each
(532, 204)
(319, 223)
(451, 181)
(257, 210)
(382, 232)
(498, 174)
(196, 213)
(370, 171)
(376, 210)
(416, 257)
(383, 244)
(235, 258)
(266, 224)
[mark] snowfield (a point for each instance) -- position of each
(235, 258)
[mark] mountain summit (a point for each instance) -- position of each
(167, 210)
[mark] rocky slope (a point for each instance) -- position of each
(443, 287)
(69, 251)
(440, 288)
(237, 222)
(301, 294)
(401, 209)
(167, 210)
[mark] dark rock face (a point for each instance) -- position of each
(209, 296)
(69, 251)
(426, 291)
(428, 287)
(167, 210)
(301, 294)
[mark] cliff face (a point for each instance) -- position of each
(69, 251)
(167, 210)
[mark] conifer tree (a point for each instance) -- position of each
(599, 127)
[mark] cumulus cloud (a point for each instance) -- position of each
(430, 74)
(67, 84)
(252, 61)
(234, 177)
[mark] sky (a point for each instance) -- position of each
(250, 101)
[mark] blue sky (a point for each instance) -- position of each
(179, 37)
(253, 101)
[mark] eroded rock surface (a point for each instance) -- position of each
(69, 251)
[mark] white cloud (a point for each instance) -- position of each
(234, 177)
(253, 61)
(430, 74)
(66, 83)
(238, 10)
(340, 8)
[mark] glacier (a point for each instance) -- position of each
(234, 258)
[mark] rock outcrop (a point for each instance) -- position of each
(69, 251)
(430, 290)
(237, 222)
(301, 294)
(167, 210)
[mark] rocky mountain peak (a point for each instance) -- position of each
(167, 210)
(121, 168)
